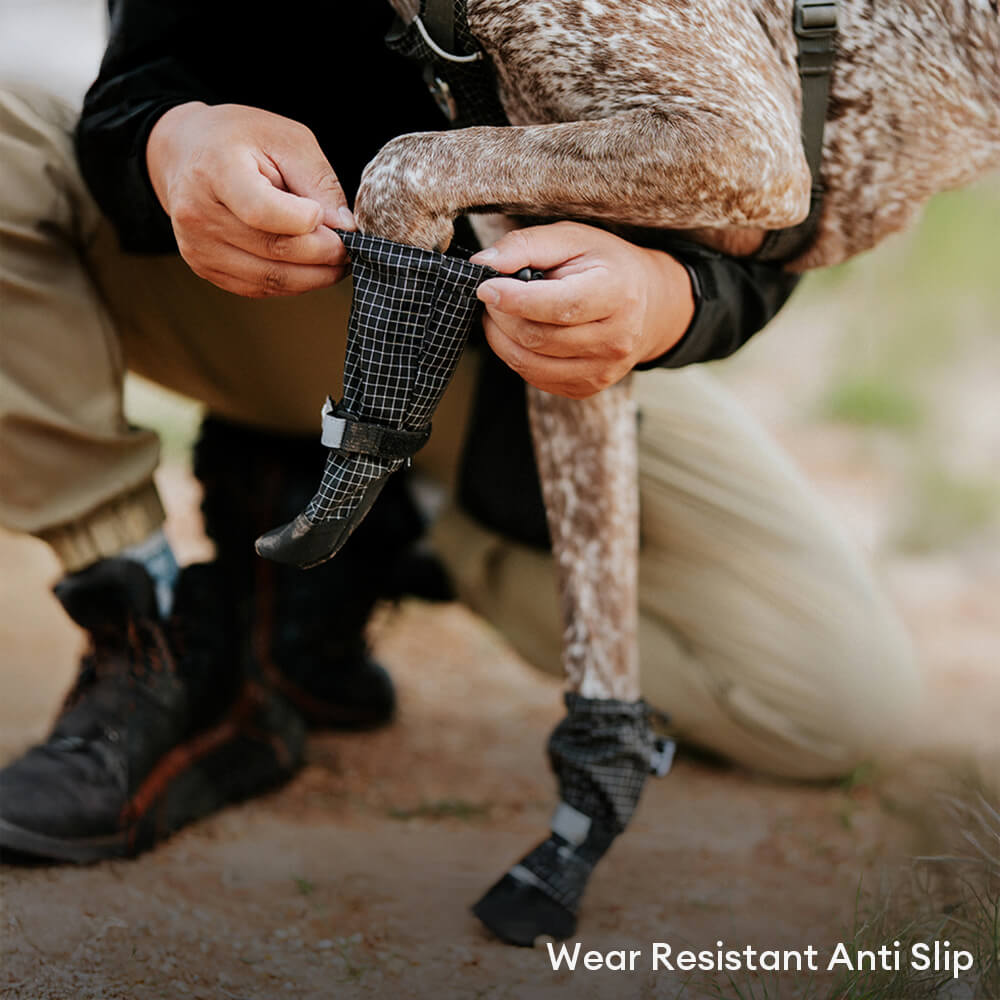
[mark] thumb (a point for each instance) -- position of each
(539, 247)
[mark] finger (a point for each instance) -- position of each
(210, 225)
(321, 246)
(576, 378)
(251, 290)
(587, 341)
(243, 273)
(255, 201)
(579, 298)
(307, 172)
(542, 247)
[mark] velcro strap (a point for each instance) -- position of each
(348, 435)
(570, 824)
(662, 758)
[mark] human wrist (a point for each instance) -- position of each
(670, 304)
(162, 146)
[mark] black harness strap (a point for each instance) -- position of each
(815, 28)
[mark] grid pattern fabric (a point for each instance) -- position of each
(412, 312)
(558, 870)
(601, 754)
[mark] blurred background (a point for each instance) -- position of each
(882, 380)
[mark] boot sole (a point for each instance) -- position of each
(229, 763)
(520, 914)
(80, 851)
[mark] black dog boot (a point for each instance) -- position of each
(160, 728)
(304, 629)
(601, 753)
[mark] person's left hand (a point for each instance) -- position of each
(605, 306)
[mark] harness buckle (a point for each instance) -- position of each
(815, 27)
(814, 18)
(441, 92)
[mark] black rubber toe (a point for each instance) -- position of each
(306, 543)
(519, 913)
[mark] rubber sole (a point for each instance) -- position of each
(80, 851)
(519, 914)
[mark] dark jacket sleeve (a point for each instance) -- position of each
(308, 61)
(734, 299)
(148, 68)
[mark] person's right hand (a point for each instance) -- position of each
(251, 197)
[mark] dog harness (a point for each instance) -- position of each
(461, 79)
(815, 24)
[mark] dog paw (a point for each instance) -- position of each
(399, 197)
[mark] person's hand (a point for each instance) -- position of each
(251, 197)
(605, 306)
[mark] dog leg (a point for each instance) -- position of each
(604, 748)
(641, 168)
(588, 466)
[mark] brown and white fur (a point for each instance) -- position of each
(685, 115)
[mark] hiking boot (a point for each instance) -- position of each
(306, 628)
(160, 729)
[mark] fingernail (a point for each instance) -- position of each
(490, 253)
(488, 294)
(346, 217)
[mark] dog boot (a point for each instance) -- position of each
(412, 313)
(601, 753)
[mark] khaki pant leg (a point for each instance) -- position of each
(71, 469)
(762, 633)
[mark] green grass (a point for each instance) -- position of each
(870, 402)
(910, 305)
(303, 885)
(946, 509)
(917, 315)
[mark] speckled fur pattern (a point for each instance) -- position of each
(685, 115)
(588, 466)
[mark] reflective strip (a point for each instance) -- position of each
(662, 758)
(528, 878)
(333, 427)
(570, 824)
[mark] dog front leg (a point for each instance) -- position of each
(604, 748)
(642, 168)
(588, 466)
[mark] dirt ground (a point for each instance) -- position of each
(355, 880)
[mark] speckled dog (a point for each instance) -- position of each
(679, 115)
